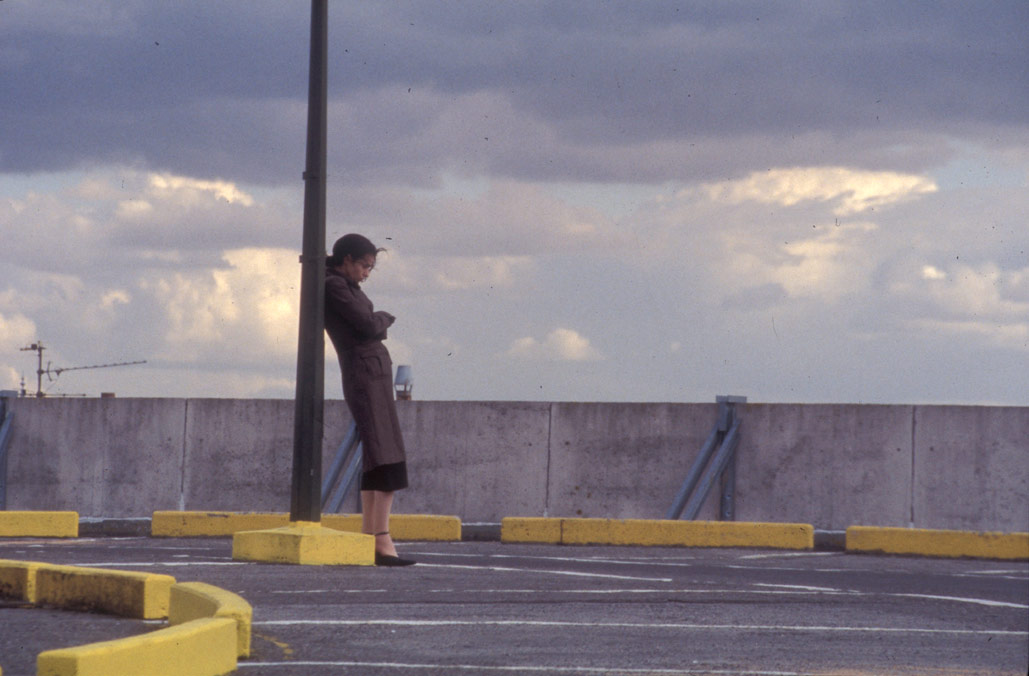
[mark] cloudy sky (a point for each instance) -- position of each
(582, 201)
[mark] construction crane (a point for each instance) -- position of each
(53, 374)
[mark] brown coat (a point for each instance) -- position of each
(357, 331)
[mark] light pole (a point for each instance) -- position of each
(305, 497)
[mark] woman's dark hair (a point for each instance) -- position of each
(353, 245)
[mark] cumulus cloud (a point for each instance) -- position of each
(10, 379)
(399, 274)
(851, 191)
(489, 271)
(486, 218)
(559, 345)
(983, 301)
(114, 298)
(249, 308)
(189, 190)
(16, 330)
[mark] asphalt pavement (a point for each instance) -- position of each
(492, 608)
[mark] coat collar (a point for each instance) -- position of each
(333, 272)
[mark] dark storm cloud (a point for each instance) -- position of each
(655, 70)
(196, 87)
(515, 89)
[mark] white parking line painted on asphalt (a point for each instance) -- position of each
(797, 587)
(782, 590)
(643, 625)
(572, 573)
(982, 602)
(152, 564)
(1002, 574)
(561, 559)
(787, 555)
(934, 597)
(519, 668)
(680, 562)
(184, 548)
(332, 591)
(556, 592)
(34, 543)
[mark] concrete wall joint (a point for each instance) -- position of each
(550, 453)
(182, 465)
(914, 447)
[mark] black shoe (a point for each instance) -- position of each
(387, 560)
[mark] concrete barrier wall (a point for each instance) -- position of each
(829, 465)
(95, 456)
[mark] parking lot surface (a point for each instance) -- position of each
(489, 608)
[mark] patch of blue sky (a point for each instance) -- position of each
(452, 186)
(977, 168)
(615, 200)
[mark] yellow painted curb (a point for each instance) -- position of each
(18, 579)
(946, 543)
(530, 529)
(39, 524)
(119, 592)
(213, 524)
(208, 643)
(304, 543)
(196, 600)
(208, 524)
(204, 647)
(404, 526)
(659, 533)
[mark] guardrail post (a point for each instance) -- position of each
(721, 444)
(348, 455)
(727, 417)
(6, 422)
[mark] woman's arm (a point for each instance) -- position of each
(356, 311)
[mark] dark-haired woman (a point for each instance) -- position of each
(357, 332)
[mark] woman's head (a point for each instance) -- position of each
(354, 255)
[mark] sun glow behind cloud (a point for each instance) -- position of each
(192, 189)
(252, 305)
(850, 191)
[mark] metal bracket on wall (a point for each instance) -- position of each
(721, 444)
(348, 455)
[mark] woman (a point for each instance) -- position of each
(357, 332)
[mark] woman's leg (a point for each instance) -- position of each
(375, 509)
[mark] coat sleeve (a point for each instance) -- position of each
(356, 310)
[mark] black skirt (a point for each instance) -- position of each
(386, 478)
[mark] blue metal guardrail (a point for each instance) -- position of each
(721, 444)
(348, 456)
(7, 418)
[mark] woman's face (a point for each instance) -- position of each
(357, 270)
